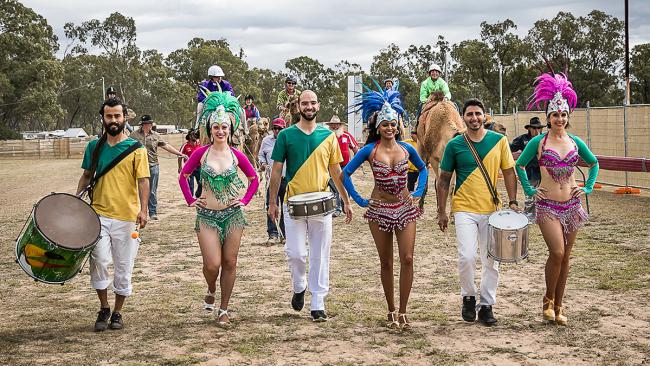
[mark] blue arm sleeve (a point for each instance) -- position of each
(591, 160)
(350, 168)
(417, 161)
(526, 156)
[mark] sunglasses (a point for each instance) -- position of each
(277, 128)
(290, 83)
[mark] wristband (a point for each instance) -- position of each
(513, 202)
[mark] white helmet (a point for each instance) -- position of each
(435, 66)
(215, 70)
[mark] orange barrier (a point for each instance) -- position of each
(627, 190)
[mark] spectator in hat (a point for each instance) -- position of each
(264, 157)
(347, 144)
(534, 128)
(152, 140)
(191, 144)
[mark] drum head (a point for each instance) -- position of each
(67, 221)
(312, 196)
(508, 220)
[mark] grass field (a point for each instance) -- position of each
(164, 324)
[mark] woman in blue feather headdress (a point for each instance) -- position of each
(391, 207)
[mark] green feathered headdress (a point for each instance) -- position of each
(212, 112)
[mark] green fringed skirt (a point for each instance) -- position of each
(224, 221)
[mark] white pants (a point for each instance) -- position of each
(117, 246)
(319, 232)
(472, 234)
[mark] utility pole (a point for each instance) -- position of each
(500, 88)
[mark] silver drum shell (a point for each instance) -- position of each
(507, 245)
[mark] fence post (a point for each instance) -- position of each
(625, 137)
(588, 126)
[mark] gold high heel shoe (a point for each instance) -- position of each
(560, 319)
(391, 321)
(404, 324)
(548, 313)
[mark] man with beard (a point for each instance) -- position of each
(311, 154)
(346, 143)
(472, 204)
(119, 197)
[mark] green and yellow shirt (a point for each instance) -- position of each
(307, 158)
(116, 193)
(471, 193)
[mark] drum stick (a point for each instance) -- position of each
(136, 233)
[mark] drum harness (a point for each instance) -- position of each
(96, 175)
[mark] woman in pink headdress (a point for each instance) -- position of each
(558, 208)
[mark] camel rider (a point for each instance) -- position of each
(214, 82)
(388, 83)
(250, 108)
(433, 83)
(288, 91)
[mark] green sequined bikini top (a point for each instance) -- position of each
(224, 184)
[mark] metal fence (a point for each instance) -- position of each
(604, 131)
(602, 128)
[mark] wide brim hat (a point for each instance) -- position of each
(146, 119)
(534, 122)
(335, 120)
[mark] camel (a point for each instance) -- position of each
(439, 122)
(492, 125)
(251, 142)
(291, 109)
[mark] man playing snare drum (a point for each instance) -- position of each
(120, 199)
(311, 153)
(472, 204)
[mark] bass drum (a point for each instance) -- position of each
(57, 238)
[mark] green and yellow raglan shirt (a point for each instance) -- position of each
(307, 158)
(471, 193)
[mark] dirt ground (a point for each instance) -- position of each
(164, 325)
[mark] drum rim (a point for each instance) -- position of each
(33, 215)
(508, 211)
(324, 198)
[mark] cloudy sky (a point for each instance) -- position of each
(271, 32)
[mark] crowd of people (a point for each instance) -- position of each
(301, 156)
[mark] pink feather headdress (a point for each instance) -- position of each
(555, 92)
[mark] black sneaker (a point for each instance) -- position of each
(101, 324)
(298, 300)
(318, 316)
(485, 315)
(116, 321)
(469, 308)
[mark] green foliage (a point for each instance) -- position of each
(478, 63)
(37, 91)
(640, 73)
(30, 76)
(590, 47)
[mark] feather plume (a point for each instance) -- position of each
(217, 98)
(547, 85)
(372, 101)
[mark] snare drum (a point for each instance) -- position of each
(507, 236)
(311, 204)
(57, 238)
